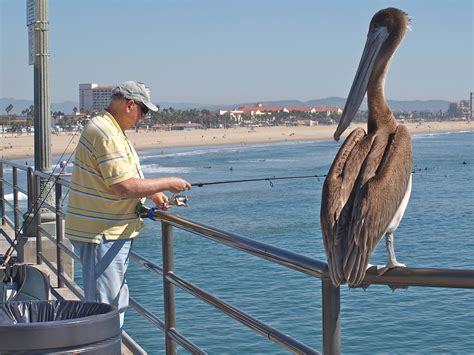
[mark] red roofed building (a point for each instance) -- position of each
(259, 109)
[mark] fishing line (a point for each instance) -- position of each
(6, 257)
(270, 179)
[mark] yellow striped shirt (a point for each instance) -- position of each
(104, 156)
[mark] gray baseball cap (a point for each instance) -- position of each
(135, 90)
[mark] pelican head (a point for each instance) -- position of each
(386, 30)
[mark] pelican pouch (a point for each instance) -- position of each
(22, 282)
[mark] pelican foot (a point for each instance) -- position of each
(391, 265)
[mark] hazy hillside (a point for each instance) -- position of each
(20, 105)
(415, 105)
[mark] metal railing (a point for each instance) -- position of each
(400, 277)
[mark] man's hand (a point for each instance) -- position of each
(160, 200)
(176, 184)
(138, 188)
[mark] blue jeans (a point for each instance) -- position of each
(103, 271)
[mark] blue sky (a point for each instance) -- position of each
(229, 51)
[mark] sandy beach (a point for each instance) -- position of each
(14, 146)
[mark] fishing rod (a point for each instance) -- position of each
(181, 200)
(201, 184)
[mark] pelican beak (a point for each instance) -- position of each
(375, 39)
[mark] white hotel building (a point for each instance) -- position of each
(93, 97)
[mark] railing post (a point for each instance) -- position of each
(30, 175)
(168, 287)
(37, 218)
(16, 217)
(59, 235)
(331, 318)
(2, 194)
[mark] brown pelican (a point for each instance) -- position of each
(368, 185)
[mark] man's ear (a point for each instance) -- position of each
(129, 104)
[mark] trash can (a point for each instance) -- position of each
(59, 327)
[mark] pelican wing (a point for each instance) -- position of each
(336, 193)
(379, 193)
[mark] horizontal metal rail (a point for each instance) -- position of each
(15, 188)
(48, 263)
(56, 176)
(131, 344)
(145, 313)
(73, 287)
(247, 320)
(8, 239)
(69, 252)
(23, 191)
(280, 256)
(430, 277)
(427, 277)
(13, 164)
(46, 205)
(9, 222)
(9, 204)
(259, 327)
(7, 183)
(153, 319)
(185, 343)
(140, 260)
(46, 234)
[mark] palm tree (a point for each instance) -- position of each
(8, 108)
(30, 111)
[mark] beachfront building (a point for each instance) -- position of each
(234, 114)
(188, 126)
(461, 109)
(259, 110)
(93, 98)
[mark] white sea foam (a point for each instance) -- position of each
(155, 168)
(435, 134)
(176, 154)
(21, 197)
(260, 161)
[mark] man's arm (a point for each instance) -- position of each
(138, 188)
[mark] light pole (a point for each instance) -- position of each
(42, 116)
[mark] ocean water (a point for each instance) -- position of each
(436, 232)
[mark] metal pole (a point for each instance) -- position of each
(331, 318)
(30, 180)
(59, 235)
(169, 296)
(16, 209)
(42, 108)
(37, 220)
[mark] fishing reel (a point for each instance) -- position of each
(178, 200)
(144, 211)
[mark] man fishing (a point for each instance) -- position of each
(106, 185)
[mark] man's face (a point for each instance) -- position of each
(135, 112)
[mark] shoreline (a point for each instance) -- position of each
(22, 146)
